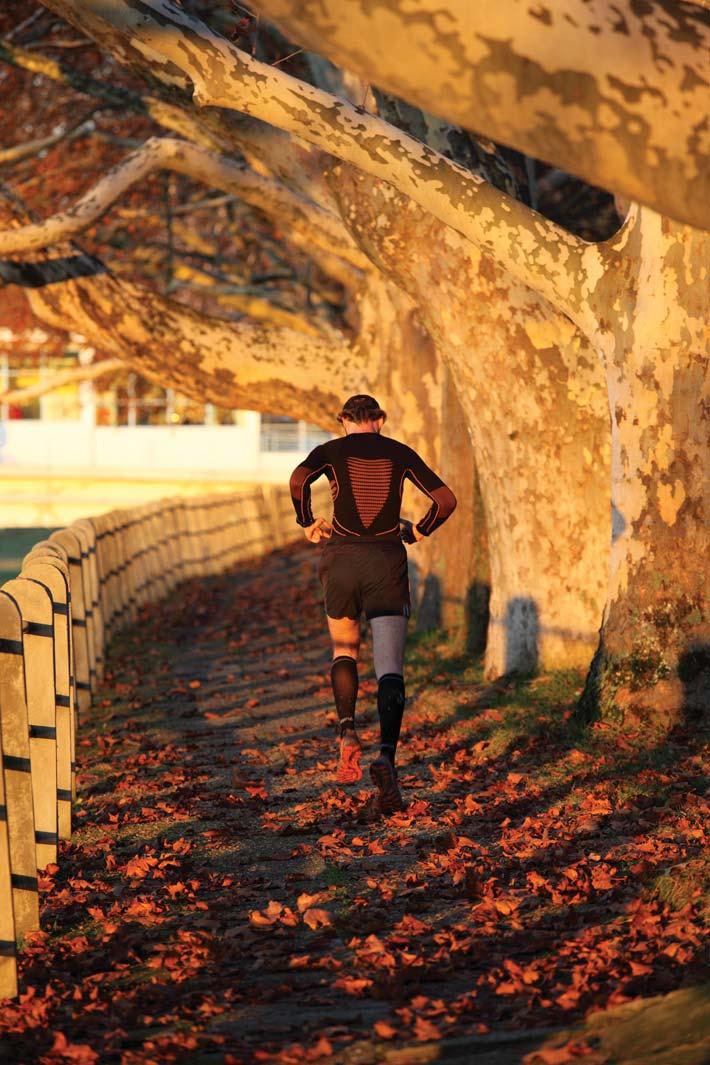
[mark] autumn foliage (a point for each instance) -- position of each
(224, 901)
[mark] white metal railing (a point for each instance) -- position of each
(291, 436)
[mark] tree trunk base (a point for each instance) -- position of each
(634, 692)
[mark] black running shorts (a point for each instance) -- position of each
(369, 577)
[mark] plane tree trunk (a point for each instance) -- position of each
(413, 384)
(532, 392)
(653, 308)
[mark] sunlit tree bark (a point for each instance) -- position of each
(588, 283)
(653, 308)
(532, 391)
(612, 90)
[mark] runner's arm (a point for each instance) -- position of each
(443, 500)
(312, 467)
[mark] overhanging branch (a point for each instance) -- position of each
(311, 225)
(155, 34)
(61, 380)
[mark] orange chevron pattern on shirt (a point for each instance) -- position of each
(370, 480)
(366, 472)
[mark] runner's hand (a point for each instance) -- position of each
(408, 532)
(319, 530)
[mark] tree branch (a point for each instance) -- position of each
(531, 248)
(614, 91)
(168, 115)
(311, 225)
(232, 364)
(268, 150)
(256, 307)
(60, 380)
(18, 152)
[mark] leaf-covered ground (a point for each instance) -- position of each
(223, 901)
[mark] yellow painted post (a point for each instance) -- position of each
(271, 521)
(135, 568)
(237, 524)
(145, 551)
(252, 527)
(183, 540)
(147, 554)
(35, 605)
(222, 536)
(192, 530)
(63, 632)
(8, 943)
(209, 523)
(131, 566)
(159, 553)
(17, 769)
(81, 537)
(87, 528)
(159, 535)
(101, 532)
(115, 594)
(80, 644)
(45, 570)
(163, 526)
(121, 570)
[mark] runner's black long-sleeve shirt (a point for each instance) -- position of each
(366, 472)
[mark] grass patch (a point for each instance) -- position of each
(335, 876)
(681, 884)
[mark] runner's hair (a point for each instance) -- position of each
(361, 408)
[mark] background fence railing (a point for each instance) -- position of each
(75, 590)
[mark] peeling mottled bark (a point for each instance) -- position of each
(654, 315)
(232, 364)
(305, 223)
(640, 300)
(615, 91)
(181, 49)
(414, 387)
(533, 395)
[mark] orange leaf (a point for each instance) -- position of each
(425, 1030)
(352, 985)
(79, 1053)
(260, 920)
(305, 901)
(385, 1030)
(315, 918)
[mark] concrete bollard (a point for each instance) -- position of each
(8, 944)
(17, 769)
(80, 642)
(45, 571)
(35, 605)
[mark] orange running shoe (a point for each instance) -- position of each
(384, 777)
(349, 770)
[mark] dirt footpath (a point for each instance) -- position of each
(223, 901)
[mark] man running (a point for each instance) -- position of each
(363, 567)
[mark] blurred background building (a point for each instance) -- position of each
(96, 444)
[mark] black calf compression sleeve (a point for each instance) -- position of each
(390, 707)
(344, 679)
